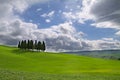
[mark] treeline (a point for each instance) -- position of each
(32, 45)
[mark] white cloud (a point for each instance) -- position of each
(11, 32)
(102, 44)
(58, 37)
(50, 14)
(69, 15)
(103, 13)
(60, 11)
(44, 15)
(63, 37)
(80, 13)
(12, 28)
(108, 39)
(48, 20)
(118, 33)
(105, 16)
(65, 28)
(106, 24)
(18, 5)
(39, 9)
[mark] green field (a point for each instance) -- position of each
(16, 64)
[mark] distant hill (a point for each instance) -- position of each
(108, 54)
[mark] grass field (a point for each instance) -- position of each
(25, 65)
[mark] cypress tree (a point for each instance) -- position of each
(39, 45)
(31, 44)
(28, 44)
(35, 45)
(43, 46)
(22, 44)
(25, 44)
(19, 45)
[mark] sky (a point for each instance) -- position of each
(65, 25)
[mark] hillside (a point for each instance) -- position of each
(106, 54)
(13, 60)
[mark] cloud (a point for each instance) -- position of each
(18, 5)
(50, 14)
(107, 15)
(59, 37)
(16, 30)
(48, 20)
(65, 28)
(12, 29)
(69, 15)
(8, 8)
(103, 14)
(62, 37)
(117, 33)
(80, 12)
(105, 44)
(39, 9)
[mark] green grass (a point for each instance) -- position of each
(15, 75)
(25, 65)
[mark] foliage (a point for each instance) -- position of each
(43, 46)
(30, 45)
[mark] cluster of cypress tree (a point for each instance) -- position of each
(32, 45)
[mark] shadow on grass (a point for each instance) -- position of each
(19, 51)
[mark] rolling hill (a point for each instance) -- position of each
(106, 54)
(17, 64)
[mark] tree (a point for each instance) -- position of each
(35, 45)
(31, 44)
(39, 45)
(22, 44)
(28, 44)
(19, 45)
(118, 58)
(43, 46)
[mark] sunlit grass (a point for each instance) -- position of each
(54, 66)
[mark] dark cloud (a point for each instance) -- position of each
(106, 10)
(8, 40)
(62, 43)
